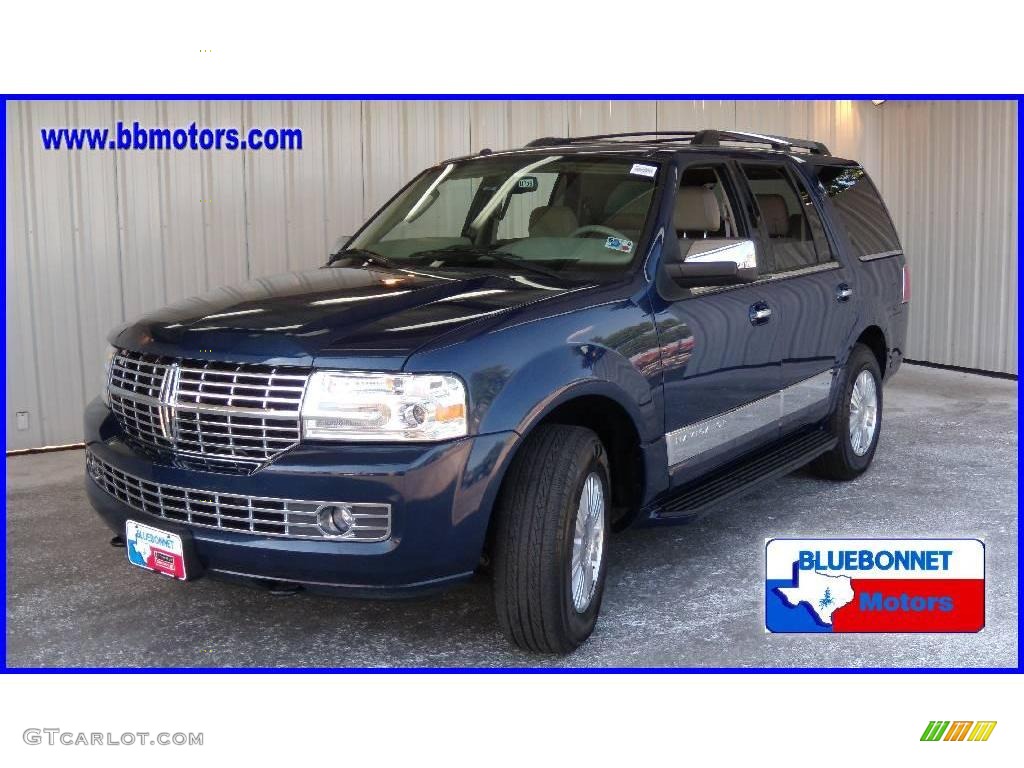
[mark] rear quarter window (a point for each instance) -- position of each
(859, 210)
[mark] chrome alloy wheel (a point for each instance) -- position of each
(863, 412)
(588, 543)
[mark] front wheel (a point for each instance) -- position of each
(551, 543)
(856, 419)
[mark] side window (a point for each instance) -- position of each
(859, 209)
(821, 244)
(706, 206)
(783, 217)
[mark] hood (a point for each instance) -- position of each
(380, 316)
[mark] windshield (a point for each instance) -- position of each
(548, 214)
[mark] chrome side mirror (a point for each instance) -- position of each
(742, 253)
(714, 262)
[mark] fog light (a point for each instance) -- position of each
(335, 520)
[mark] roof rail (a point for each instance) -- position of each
(713, 138)
(704, 138)
(554, 141)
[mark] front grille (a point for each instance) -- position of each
(211, 415)
(245, 514)
(237, 412)
(136, 387)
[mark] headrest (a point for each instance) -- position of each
(774, 213)
(697, 210)
(552, 221)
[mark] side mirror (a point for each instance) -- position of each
(710, 273)
(714, 262)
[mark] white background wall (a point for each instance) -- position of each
(94, 238)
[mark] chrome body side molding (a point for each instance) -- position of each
(702, 436)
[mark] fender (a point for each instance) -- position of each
(560, 375)
(518, 372)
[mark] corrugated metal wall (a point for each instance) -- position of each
(948, 172)
(94, 238)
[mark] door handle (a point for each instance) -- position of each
(843, 292)
(760, 313)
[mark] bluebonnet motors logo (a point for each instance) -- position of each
(874, 585)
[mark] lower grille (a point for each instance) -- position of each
(263, 516)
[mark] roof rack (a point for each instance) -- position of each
(705, 138)
(711, 138)
(555, 141)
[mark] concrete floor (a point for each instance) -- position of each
(689, 596)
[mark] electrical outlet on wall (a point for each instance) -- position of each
(21, 418)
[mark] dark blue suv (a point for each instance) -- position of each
(521, 352)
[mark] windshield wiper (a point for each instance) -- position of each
(368, 257)
(508, 259)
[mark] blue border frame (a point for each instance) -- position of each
(4, 98)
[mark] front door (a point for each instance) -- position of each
(718, 350)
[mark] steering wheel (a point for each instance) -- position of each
(597, 229)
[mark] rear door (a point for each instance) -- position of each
(718, 355)
(809, 290)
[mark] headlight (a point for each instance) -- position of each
(108, 361)
(383, 406)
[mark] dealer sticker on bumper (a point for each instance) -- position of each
(874, 585)
(155, 550)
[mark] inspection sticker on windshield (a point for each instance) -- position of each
(618, 244)
(155, 550)
(874, 585)
(639, 169)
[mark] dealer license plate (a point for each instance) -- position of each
(155, 550)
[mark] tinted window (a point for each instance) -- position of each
(859, 209)
(821, 243)
(713, 180)
(782, 217)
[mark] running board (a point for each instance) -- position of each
(744, 474)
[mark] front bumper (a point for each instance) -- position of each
(440, 496)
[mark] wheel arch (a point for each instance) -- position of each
(618, 432)
(596, 406)
(873, 337)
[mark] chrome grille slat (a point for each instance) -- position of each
(261, 516)
(186, 368)
(214, 415)
(235, 396)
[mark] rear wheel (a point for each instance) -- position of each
(551, 543)
(856, 419)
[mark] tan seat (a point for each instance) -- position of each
(696, 213)
(790, 250)
(774, 214)
(552, 221)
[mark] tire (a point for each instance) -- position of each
(854, 452)
(537, 511)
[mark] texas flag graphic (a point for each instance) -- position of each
(874, 585)
(155, 550)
